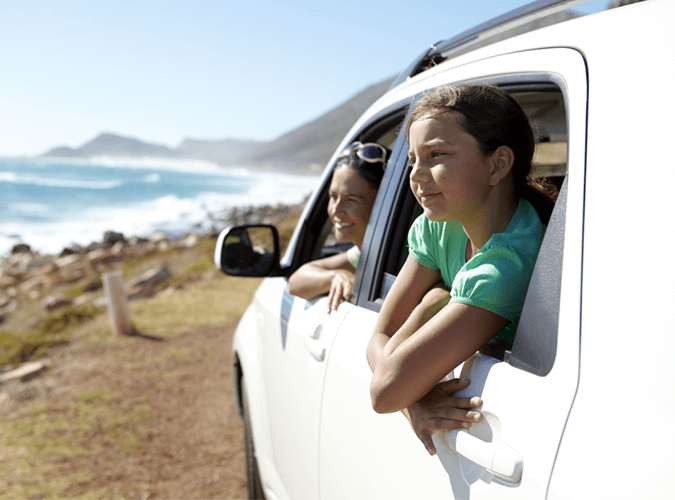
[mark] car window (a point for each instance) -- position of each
(317, 239)
(544, 103)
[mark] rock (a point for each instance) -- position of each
(70, 274)
(4, 300)
(24, 372)
(102, 256)
(67, 251)
(20, 248)
(144, 286)
(68, 260)
(158, 236)
(7, 280)
(190, 240)
(117, 248)
(55, 302)
(152, 277)
(111, 237)
(34, 286)
(11, 306)
(135, 240)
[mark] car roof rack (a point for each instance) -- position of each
(517, 21)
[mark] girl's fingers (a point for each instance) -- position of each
(428, 443)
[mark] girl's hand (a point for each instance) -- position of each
(340, 289)
(440, 410)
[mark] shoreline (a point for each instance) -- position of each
(51, 209)
(210, 227)
(27, 276)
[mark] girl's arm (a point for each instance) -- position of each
(333, 275)
(412, 283)
(408, 359)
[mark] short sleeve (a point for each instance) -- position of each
(422, 243)
(353, 256)
(496, 280)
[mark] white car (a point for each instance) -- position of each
(582, 405)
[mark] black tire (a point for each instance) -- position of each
(254, 489)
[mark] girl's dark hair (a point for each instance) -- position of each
(494, 118)
(370, 172)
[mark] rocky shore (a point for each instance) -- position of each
(27, 277)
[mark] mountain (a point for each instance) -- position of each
(221, 152)
(304, 149)
(309, 147)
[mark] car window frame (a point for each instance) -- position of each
(534, 356)
(311, 237)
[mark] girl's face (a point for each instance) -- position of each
(350, 202)
(450, 177)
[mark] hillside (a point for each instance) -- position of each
(309, 147)
(304, 149)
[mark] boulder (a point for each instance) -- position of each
(24, 372)
(111, 237)
(21, 248)
(54, 302)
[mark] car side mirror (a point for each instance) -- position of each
(248, 250)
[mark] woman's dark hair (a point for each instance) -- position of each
(371, 172)
(494, 118)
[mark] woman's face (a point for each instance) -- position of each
(450, 177)
(350, 202)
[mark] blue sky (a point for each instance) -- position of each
(161, 71)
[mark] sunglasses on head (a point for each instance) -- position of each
(369, 152)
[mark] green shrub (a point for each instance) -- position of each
(67, 317)
(10, 349)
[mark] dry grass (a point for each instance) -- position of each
(121, 417)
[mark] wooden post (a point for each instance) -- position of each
(120, 320)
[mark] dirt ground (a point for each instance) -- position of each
(168, 428)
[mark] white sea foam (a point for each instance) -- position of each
(169, 213)
(13, 178)
(152, 178)
(178, 165)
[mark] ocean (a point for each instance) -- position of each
(52, 204)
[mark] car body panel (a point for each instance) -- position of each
(315, 432)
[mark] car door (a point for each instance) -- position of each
(527, 390)
(294, 367)
(294, 364)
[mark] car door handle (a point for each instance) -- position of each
(316, 348)
(495, 457)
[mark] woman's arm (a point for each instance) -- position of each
(408, 359)
(333, 275)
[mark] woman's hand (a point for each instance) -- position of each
(332, 275)
(440, 410)
(340, 288)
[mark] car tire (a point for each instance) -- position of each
(254, 489)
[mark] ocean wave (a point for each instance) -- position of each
(13, 178)
(177, 165)
(169, 213)
(175, 203)
(152, 178)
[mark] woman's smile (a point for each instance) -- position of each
(350, 201)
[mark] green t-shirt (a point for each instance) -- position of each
(497, 277)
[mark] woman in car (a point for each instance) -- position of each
(352, 192)
(471, 252)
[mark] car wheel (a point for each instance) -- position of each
(254, 489)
